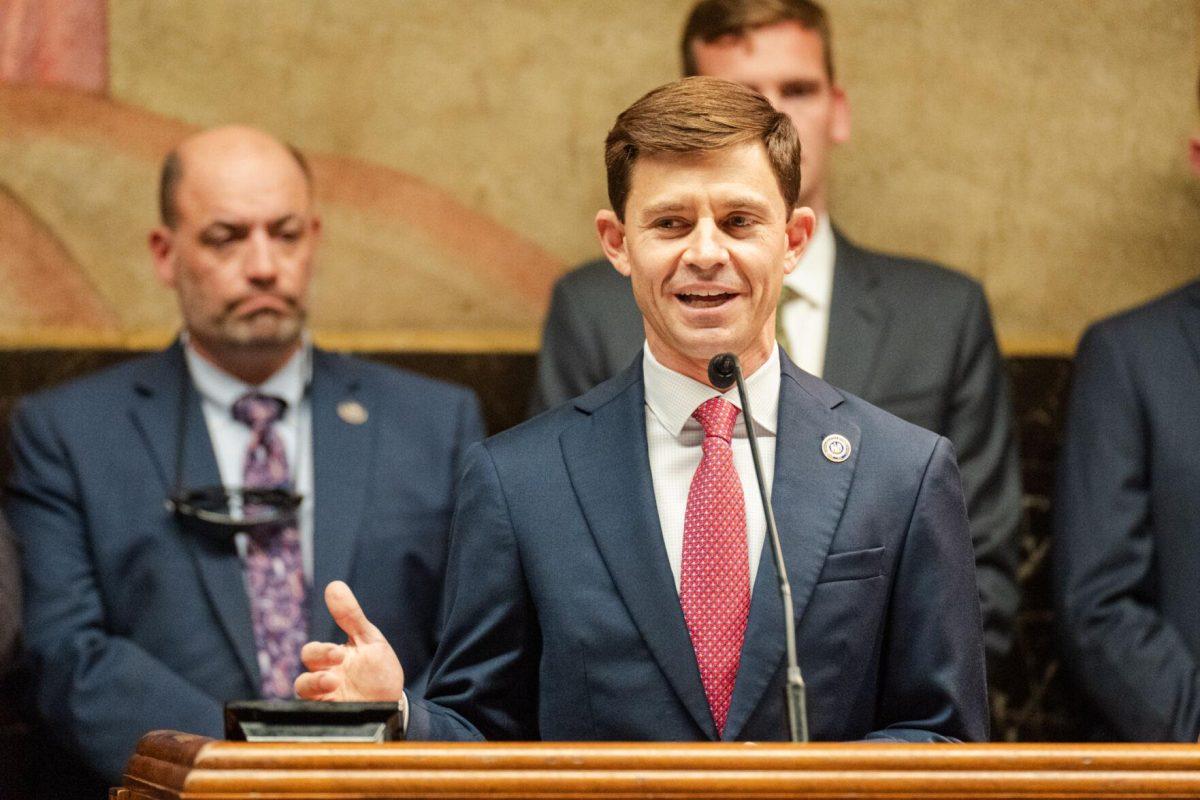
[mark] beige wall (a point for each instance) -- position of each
(1035, 144)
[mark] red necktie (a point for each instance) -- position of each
(714, 585)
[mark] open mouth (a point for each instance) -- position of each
(705, 299)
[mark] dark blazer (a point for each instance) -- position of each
(10, 601)
(1127, 519)
(563, 622)
(133, 624)
(911, 337)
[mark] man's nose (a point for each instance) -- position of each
(706, 248)
(260, 264)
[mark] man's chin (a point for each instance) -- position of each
(255, 335)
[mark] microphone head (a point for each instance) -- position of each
(722, 370)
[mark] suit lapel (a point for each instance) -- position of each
(857, 320)
(156, 413)
(609, 468)
(343, 455)
(808, 495)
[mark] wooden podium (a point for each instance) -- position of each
(179, 765)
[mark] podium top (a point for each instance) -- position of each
(178, 765)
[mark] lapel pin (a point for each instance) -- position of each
(352, 411)
(836, 447)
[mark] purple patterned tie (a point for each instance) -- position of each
(274, 565)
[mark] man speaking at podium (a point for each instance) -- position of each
(608, 577)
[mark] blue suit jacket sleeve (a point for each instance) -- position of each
(979, 422)
(96, 689)
(933, 674)
(1132, 661)
(486, 667)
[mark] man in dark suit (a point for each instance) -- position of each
(910, 337)
(139, 617)
(1127, 515)
(608, 576)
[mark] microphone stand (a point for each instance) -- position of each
(723, 370)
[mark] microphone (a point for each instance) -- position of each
(723, 370)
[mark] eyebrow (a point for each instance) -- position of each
(282, 222)
(238, 225)
(748, 202)
(666, 207)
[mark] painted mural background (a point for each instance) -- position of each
(1038, 146)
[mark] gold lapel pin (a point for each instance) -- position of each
(836, 447)
(352, 411)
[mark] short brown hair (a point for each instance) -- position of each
(172, 174)
(712, 19)
(700, 115)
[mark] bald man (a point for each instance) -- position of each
(176, 510)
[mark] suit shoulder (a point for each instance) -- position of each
(404, 383)
(919, 277)
(886, 436)
(591, 281)
(1146, 325)
(90, 394)
(535, 434)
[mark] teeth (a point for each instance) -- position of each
(705, 294)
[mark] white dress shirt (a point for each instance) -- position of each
(230, 439)
(805, 320)
(674, 439)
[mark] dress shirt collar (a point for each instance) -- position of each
(672, 397)
(812, 278)
(222, 389)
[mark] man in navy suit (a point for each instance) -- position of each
(608, 577)
(138, 617)
(1127, 515)
(911, 337)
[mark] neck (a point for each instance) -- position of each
(751, 358)
(252, 365)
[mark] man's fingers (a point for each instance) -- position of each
(322, 655)
(317, 686)
(348, 614)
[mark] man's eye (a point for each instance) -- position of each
(740, 221)
(290, 236)
(669, 224)
(216, 239)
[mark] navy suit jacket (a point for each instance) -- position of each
(1127, 519)
(133, 624)
(908, 336)
(563, 623)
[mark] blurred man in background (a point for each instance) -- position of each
(1127, 517)
(176, 510)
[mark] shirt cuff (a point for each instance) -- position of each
(402, 703)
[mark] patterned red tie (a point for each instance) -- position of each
(715, 577)
(274, 566)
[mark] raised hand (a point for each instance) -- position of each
(364, 669)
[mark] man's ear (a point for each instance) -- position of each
(799, 233)
(839, 123)
(1194, 153)
(612, 239)
(162, 252)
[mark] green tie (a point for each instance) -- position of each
(786, 295)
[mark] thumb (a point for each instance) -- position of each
(348, 614)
